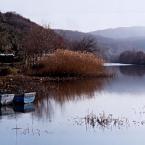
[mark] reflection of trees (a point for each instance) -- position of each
(133, 70)
(49, 92)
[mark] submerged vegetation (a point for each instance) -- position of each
(107, 121)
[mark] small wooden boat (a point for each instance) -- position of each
(25, 98)
(6, 99)
(24, 108)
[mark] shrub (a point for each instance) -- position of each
(66, 63)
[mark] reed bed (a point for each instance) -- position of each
(66, 63)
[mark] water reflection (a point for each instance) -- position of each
(62, 92)
(11, 110)
(48, 92)
(132, 70)
(61, 110)
(6, 111)
(24, 108)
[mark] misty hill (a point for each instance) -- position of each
(102, 44)
(121, 33)
(71, 35)
(111, 47)
(77, 35)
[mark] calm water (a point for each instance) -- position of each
(57, 117)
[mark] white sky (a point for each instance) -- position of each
(82, 15)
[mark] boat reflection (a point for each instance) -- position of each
(24, 108)
(10, 111)
(6, 111)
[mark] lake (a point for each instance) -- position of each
(70, 112)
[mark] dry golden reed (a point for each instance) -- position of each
(66, 63)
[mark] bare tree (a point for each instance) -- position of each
(40, 41)
(86, 44)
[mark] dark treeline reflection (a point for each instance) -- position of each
(133, 70)
(50, 92)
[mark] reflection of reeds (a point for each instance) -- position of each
(75, 89)
(60, 91)
(63, 91)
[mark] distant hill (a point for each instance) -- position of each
(105, 45)
(77, 35)
(71, 35)
(121, 33)
(112, 42)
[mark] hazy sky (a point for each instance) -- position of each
(83, 15)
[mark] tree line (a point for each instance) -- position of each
(132, 57)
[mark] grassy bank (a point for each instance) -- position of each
(66, 63)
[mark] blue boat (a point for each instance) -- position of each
(25, 98)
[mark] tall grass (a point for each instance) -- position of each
(66, 63)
